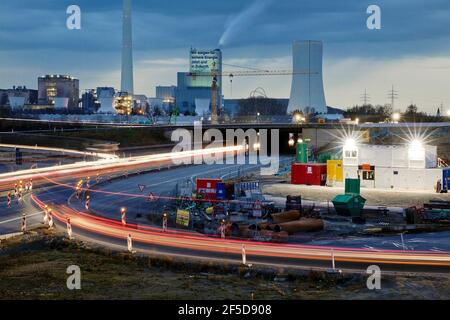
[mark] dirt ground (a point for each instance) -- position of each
(34, 267)
(374, 197)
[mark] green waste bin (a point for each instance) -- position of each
(349, 205)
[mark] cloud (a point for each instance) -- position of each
(258, 36)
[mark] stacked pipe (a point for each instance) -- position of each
(293, 222)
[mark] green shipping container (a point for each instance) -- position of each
(302, 152)
(352, 186)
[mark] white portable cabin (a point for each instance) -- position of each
(408, 167)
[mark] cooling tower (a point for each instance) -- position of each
(105, 96)
(16, 102)
(202, 107)
(61, 103)
(127, 84)
(307, 94)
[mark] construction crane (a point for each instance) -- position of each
(231, 74)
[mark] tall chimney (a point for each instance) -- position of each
(127, 50)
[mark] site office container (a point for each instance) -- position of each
(314, 174)
(335, 171)
(208, 187)
(221, 191)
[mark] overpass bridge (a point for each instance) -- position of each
(320, 134)
(265, 123)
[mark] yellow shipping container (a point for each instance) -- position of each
(335, 171)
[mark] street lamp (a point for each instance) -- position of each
(350, 144)
(396, 117)
(291, 140)
(416, 150)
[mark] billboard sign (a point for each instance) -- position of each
(204, 62)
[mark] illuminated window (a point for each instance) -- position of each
(368, 175)
(351, 154)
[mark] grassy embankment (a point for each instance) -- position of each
(34, 267)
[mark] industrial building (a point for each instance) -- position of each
(166, 93)
(157, 104)
(123, 103)
(89, 102)
(141, 103)
(18, 97)
(232, 106)
(165, 98)
(307, 92)
(194, 87)
(59, 90)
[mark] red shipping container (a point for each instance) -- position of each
(298, 173)
(208, 187)
(314, 174)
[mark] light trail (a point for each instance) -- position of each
(208, 244)
(114, 164)
(60, 150)
(193, 241)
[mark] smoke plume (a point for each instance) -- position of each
(236, 23)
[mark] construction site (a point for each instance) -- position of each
(362, 184)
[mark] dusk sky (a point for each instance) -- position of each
(411, 51)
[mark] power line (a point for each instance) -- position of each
(365, 97)
(392, 95)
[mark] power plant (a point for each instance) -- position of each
(307, 93)
(203, 81)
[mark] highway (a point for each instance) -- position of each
(104, 226)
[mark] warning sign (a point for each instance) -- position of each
(183, 218)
